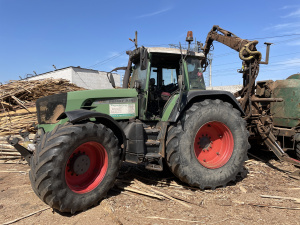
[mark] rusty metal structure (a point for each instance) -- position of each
(272, 108)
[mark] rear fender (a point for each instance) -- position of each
(196, 96)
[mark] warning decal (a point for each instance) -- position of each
(120, 110)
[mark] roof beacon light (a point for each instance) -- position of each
(189, 37)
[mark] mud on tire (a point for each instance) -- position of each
(208, 147)
(74, 166)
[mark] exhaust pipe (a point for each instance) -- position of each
(267, 53)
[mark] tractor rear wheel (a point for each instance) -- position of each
(74, 166)
(208, 147)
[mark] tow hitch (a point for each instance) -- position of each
(26, 153)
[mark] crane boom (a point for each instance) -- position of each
(251, 58)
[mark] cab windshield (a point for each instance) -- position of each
(195, 73)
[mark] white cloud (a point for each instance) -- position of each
(283, 26)
(290, 61)
(285, 64)
(155, 13)
(289, 7)
(293, 14)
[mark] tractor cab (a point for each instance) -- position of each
(159, 74)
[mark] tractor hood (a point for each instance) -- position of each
(118, 103)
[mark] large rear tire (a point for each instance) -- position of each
(74, 166)
(208, 147)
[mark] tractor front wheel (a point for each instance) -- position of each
(297, 149)
(208, 147)
(74, 166)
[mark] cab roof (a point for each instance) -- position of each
(160, 50)
(172, 51)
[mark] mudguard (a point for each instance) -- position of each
(195, 96)
(78, 115)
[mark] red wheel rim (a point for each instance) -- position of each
(213, 145)
(86, 167)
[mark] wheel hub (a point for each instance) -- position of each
(79, 163)
(213, 144)
(205, 142)
(86, 167)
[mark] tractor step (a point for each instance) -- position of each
(154, 162)
(151, 130)
(152, 142)
(151, 133)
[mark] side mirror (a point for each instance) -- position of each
(111, 80)
(143, 58)
(180, 81)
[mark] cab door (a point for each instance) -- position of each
(140, 78)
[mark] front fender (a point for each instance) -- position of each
(78, 115)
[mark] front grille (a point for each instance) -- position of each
(50, 107)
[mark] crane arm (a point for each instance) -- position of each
(251, 58)
(247, 49)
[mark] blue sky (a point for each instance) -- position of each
(94, 34)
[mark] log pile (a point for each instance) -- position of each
(17, 107)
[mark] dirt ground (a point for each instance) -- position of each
(238, 203)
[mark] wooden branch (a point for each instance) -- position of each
(23, 217)
(6, 146)
(297, 200)
(4, 137)
(10, 153)
(20, 102)
(11, 171)
(19, 112)
(273, 206)
(6, 105)
(162, 194)
(167, 184)
(181, 220)
(10, 157)
(139, 192)
(7, 150)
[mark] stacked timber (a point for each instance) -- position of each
(17, 107)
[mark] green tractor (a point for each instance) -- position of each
(163, 116)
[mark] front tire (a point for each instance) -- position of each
(297, 149)
(74, 166)
(208, 147)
